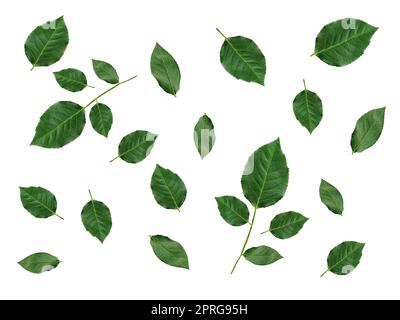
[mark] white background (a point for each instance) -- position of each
(245, 116)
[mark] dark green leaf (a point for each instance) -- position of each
(345, 257)
(165, 69)
(96, 218)
(39, 262)
(169, 251)
(136, 146)
(262, 255)
(105, 71)
(266, 175)
(168, 188)
(70, 79)
(242, 58)
(232, 210)
(204, 136)
(368, 130)
(39, 202)
(341, 42)
(331, 197)
(101, 119)
(307, 107)
(286, 225)
(47, 43)
(59, 125)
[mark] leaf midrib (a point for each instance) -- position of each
(286, 225)
(132, 149)
(241, 57)
(38, 201)
(166, 71)
(235, 212)
(97, 219)
(45, 46)
(340, 261)
(72, 80)
(169, 190)
(342, 42)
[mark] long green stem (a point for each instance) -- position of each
(107, 91)
(246, 241)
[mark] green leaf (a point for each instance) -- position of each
(39, 262)
(47, 43)
(307, 108)
(105, 71)
(96, 218)
(165, 69)
(341, 42)
(232, 210)
(169, 251)
(70, 79)
(331, 197)
(204, 136)
(101, 118)
(59, 125)
(286, 225)
(136, 146)
(168, 188)
(262, 255)
(243, 59)
(368, 130)
(344, 258)
(39, 202)
(266, 175)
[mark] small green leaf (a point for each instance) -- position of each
(168, 188)
(286, 225)
(101, 118)
(39, 262)
(344, 258)
(47, 43)
(331, 197)
(71, 79)
(204, 136)
(136, 146)
(59, 125)
(165, 69)
(341, 42)
(243, 59)
(233, 211)
(262, 255)
(368, 130)
(105, 71)
(169, 251)
(39, 202)
(266, 175)
(307, 108)
(96, 218)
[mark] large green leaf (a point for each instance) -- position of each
(101, 118)
(341, 42)
(136, 146)
(71, 79)
(262, 255)
(331, 197)
(266, 175)
(286, 225)
(232, 210)
(59, 125)
(307, 108)
(368, 130)
(96, 218)
(169, 251)
(47, 43)
(105, 71)
(165, 69)
(168, 188)
(345, 257)
(204, 136)
(39, 262)
(243, 59)
(39, 202)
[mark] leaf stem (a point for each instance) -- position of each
(221, 33)
(324, 273)
(266, 231)
(58, 216)
(114, 159)
(89, 86)
(108, 90)
(304, 83)
(90, 194)
(246, 241)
